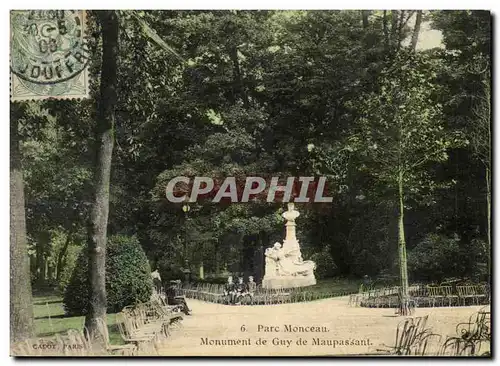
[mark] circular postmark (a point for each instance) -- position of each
(48, 47)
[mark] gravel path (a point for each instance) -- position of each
(318, 328)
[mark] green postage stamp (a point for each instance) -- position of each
(48, 54)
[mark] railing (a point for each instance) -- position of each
(426, 296)
(261, 296)
(422, 295)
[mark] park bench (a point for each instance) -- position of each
(128, 349)
(448, 294)
(130, 333)
(435, 295)
(136, 328)
(478, 327)
(472, 294)
(473, 337)
(154, 315)
(147, 323)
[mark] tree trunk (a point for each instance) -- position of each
(21, 305)
(60, 257)
(488, 224)
(202, 271)
(386, 31)
(404, 298)
(217, 257)
(97, 235)
(43, 240)
(364, 16)
(394, 27)
(233, 54)
(416, 30)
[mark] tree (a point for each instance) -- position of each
(467, 37)
(400, 130)
(104, 153)
(481, 143)
(416, 30)
(21, 306)
(57, 179)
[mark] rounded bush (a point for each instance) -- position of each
(128, 278)
(325, 265)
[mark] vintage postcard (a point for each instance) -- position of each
(250, 183)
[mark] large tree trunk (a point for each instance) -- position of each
(416, 30)
(97, 235)
(21, 305)
(488, 224)
(404, 298)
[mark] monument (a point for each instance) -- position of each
(285, 267)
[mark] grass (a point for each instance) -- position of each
(334, 285)
(50, 319)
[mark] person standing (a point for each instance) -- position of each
(157, 284)
(251, 288)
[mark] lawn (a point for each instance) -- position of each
(50, 319)
(334, 285)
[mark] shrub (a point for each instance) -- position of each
(128, 277)
(72, 255)
(325, 266)
(435, 258)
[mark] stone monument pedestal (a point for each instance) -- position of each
(283, 282)
(284, 265)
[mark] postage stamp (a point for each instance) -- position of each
(48, 54)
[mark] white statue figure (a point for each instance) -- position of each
(285, 264)
(285, 267)
(271, 265)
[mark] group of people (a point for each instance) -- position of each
(235, 292)
(172, 296)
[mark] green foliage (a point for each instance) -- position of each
(128, 277)
(68, 266)
(435, 258)
(325, 266)
(170, 271)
